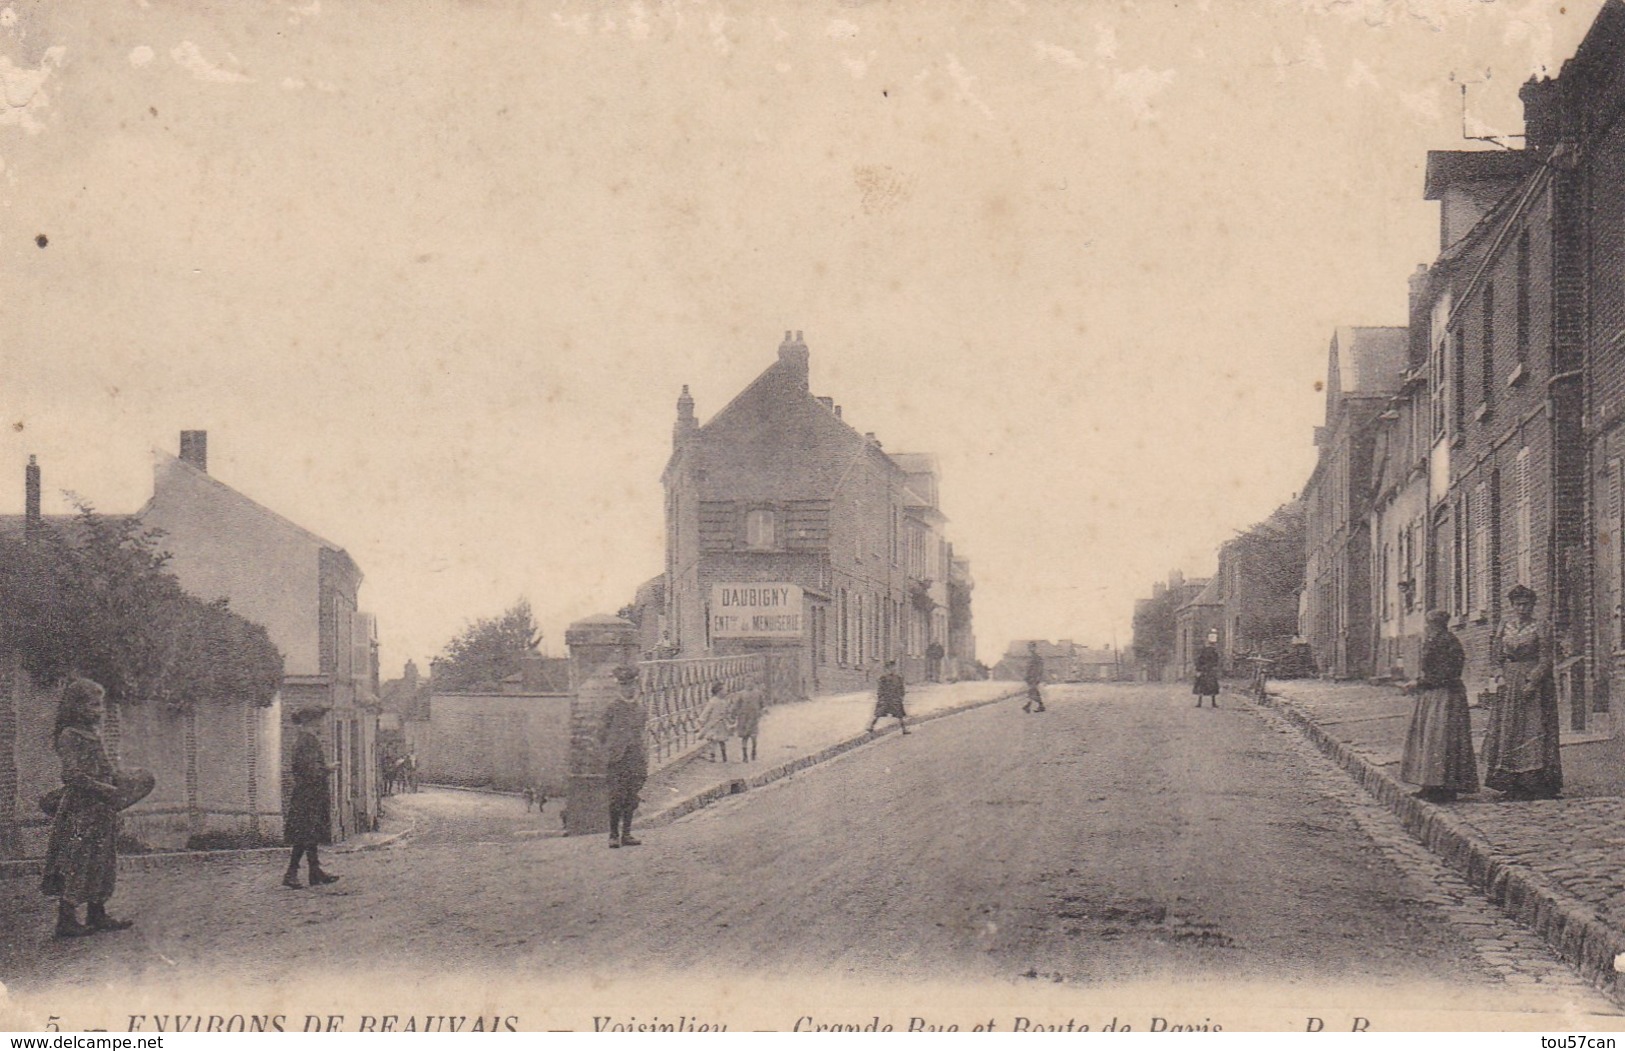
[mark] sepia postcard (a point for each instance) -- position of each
(696, 516)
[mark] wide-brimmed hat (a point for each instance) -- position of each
(1520, 593)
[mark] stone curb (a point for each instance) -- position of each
(735, 786)
(31, 867)
(1569, 927)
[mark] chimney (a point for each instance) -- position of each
(1421, 318)
(686, 423)
(31, 513)
(828, 403)
(1542, 113)
(793, 355)
(195, 449)
(837, 412)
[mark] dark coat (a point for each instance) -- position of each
(889, 692)
(1207, 672)
(626, 763)
(308, 820)
(1035, 670)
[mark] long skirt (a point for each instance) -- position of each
(81, 858)
(1207, 684)
(1439, 745)
(1521, 739)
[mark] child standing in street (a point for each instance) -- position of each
(889, 692)
(716, 723)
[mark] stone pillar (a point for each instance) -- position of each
(597, 645)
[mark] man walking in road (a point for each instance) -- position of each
(889, 698)
(1035, 678)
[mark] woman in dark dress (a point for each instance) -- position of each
(306, 824)
(1439, 745)
(81, 861)
(1521, 740)
(1207, 673)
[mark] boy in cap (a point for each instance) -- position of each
(625, 764)
(307, 823)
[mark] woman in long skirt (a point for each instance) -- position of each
(81, 862)
(1207, 673)
(1521, 740)
(1439, 745)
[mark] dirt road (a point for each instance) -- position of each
(1121, 837)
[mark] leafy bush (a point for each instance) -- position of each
(94, 597)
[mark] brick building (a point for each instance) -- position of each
(1365, 366)
(1572, 125)
(788, 530)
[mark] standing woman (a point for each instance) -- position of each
(1207, 672)
(81, 861)
(1521, 742)
(1439, 745)
(308, 824)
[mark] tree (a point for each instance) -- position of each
(1154, 629)
(95, 598)
(487, 651)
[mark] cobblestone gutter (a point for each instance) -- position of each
(1570, 927)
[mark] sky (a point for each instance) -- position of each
(433, 275)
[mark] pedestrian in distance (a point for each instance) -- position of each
(1207, 671)
(1035, 680)
(530, 798)
(1521, 756)
(81, 860)
(626, 764)
(307, 824)
(933, 656)
(747, 721)
(541, 798)
(1439, 745)
(717, 723)
(889, 691)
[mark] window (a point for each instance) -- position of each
(1487, 335)
(761, 529)
(1458, 557)
(1520, 500)
(1458, 385)
(1438, 390)
(1523, 296)
(843, 631)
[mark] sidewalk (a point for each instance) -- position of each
(1554, 865)
(800, 734)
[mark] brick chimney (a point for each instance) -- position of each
(195, 449)
(1542, 113)
(793, 354)
(31, 491)
(686, 423)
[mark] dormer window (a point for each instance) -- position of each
(761, 529)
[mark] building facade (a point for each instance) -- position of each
(304, 590)
(1364, 369)
(788, 530)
